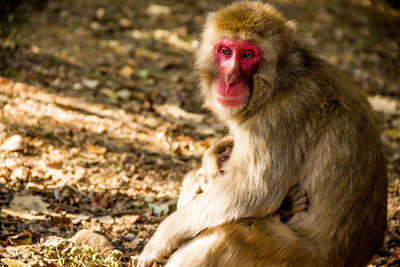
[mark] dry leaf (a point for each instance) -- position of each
(14, 143)
(100, 201)
(93, 149)
(12, 263)
(24, 238)
(129, 219)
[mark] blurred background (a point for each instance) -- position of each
(100, 116)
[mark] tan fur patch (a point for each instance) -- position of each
(254, 17)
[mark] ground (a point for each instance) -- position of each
(100, 115)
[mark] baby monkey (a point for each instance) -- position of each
(214, 159)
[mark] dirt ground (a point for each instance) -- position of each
(99, 113)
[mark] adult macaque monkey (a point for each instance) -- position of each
(212, 168)
(295, 119)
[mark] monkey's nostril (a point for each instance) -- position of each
(231, 80)
(230, 83)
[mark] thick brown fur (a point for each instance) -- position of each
(306, 123)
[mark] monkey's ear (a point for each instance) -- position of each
(262, 92)
(261, 85)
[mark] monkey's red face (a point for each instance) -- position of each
(237, 61)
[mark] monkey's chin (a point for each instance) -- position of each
(227, 111)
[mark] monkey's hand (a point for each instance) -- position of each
(295, 201)
(202, 213)
(147, 258)
(163, 242)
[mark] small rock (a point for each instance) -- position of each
(157, 10)
(100, 12)
(77, 86)
(92, 84)
(14, 143)
(130, 237)
(106, 219)
(95, 26)
(125, 24)
(28, 203)
(98, 242)
(124, 94)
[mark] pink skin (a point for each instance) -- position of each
(237, 61)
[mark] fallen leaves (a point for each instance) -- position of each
(104, 121)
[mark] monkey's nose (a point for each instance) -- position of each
(231, 79)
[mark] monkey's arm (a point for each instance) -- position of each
(225, 201)
(190, 189)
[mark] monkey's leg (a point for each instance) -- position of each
(249, 242)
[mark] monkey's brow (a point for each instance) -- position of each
(220, 150)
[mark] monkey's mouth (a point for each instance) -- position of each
(231, 101)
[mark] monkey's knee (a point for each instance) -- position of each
(194, 253)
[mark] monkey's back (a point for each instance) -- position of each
(344, 173)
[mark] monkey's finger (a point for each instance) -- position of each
(300, 201)
(298, 208)
(144, 263)
(298, 195)
(294, 191)
(146, 260)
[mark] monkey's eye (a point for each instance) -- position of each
(248, 55)
(226, 51)
(222, 160)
